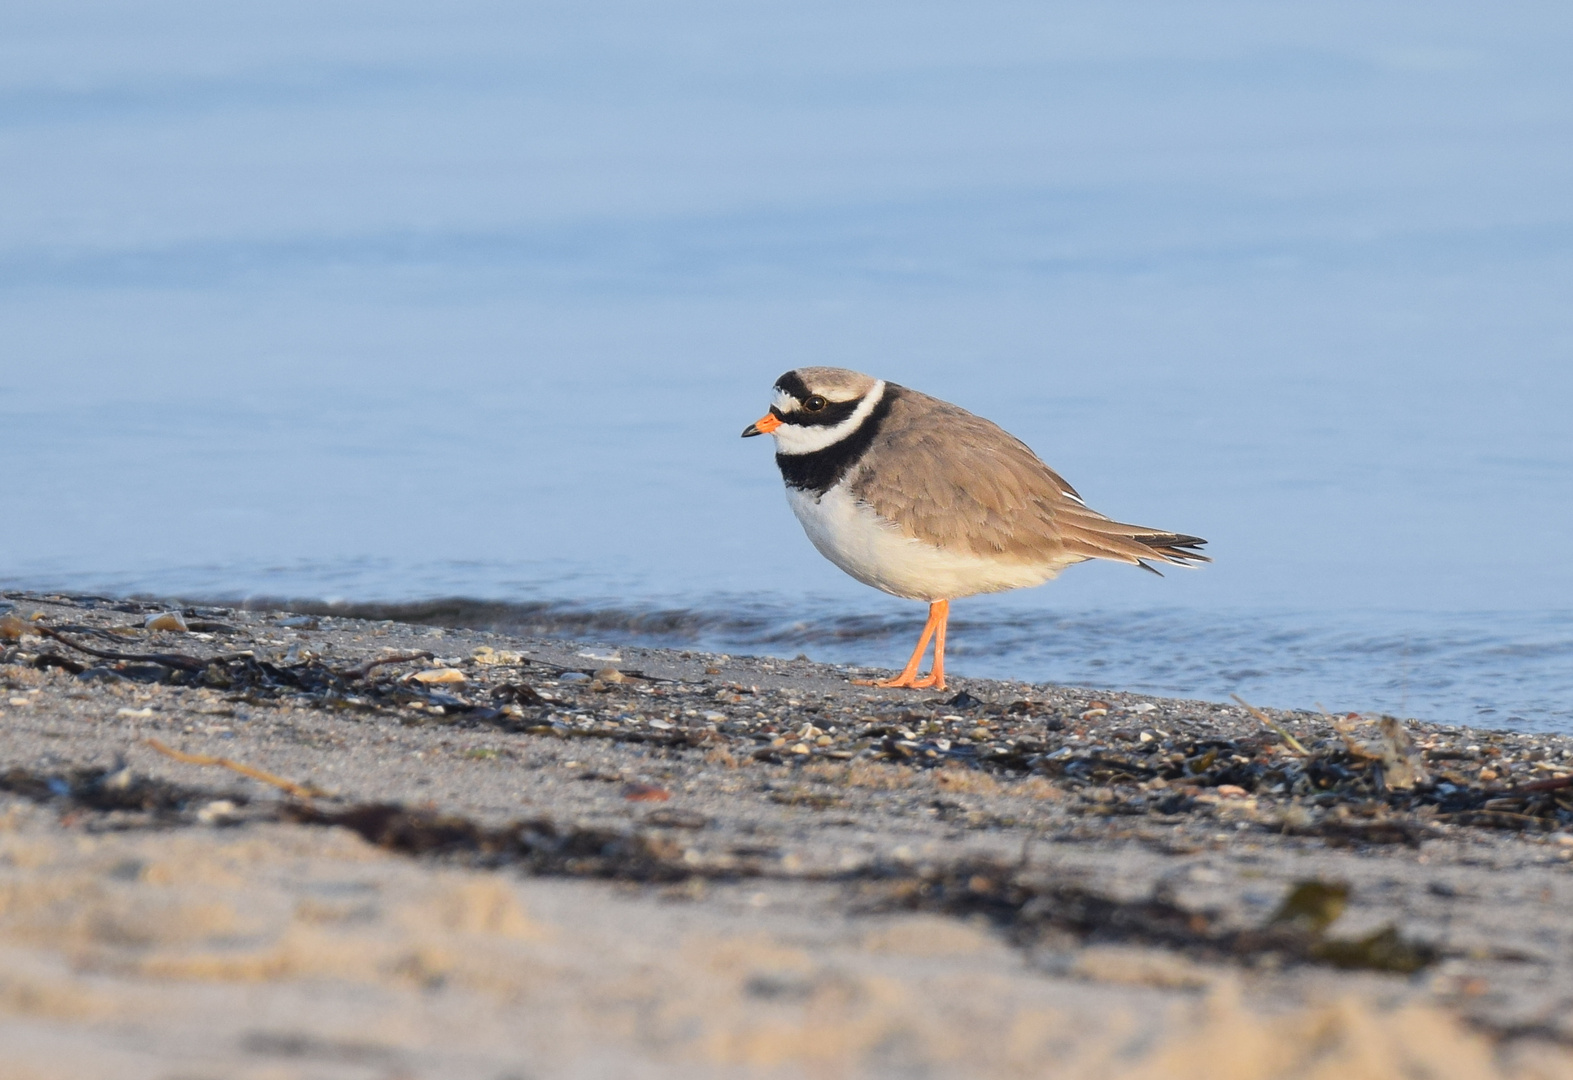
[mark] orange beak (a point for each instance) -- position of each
(763, 426)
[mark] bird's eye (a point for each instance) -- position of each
(813, 403)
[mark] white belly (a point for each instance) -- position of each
(878, 553)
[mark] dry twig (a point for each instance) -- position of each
(1294, 743)
(398, 658)
(1536, 786)
(289, 787)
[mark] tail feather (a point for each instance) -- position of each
(1176, 548)
(1093, 536)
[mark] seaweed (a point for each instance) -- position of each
(1033, 910)
(108, 790)
(1027, 906)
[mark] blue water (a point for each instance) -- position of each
(328, 301)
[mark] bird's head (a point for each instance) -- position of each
(816, 406)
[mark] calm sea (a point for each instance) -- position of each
(384, 303)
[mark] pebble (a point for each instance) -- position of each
(167, 620)
(217, 812)
(439, 676)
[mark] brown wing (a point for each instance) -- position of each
(959, 481)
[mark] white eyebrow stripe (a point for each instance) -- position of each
(793, 440)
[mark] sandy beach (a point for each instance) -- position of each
(270, 844)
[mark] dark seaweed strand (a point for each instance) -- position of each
(822, 470)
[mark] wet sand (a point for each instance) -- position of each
(503, 857)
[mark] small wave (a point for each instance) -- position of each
(741, 624)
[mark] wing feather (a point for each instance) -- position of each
(958, 481)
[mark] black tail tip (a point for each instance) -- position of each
(1177, 550)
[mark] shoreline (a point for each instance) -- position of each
(1117, 847)
(1455, 667)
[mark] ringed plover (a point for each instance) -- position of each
(922, 499)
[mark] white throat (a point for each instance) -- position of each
(792, 439)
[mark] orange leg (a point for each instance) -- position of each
(939, 616)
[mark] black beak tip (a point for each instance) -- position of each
(751, 430)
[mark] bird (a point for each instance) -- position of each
(927, 501)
